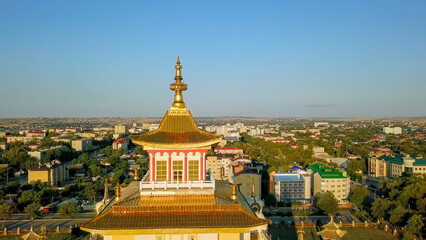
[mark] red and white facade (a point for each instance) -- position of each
(177, 165)
(120, 143)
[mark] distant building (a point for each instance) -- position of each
(321, 124)
(73, 129)
(341, 162)
(392, 130)
(120, 129)
(395, 165)
(229, 150)
(4, 146)
(120, 143)
(36, 133)
(215, 163)
(37, 154)
(328, 179)
(291, 186)
(11, 139)
(318, 150)
(86, 134)
(54, 173)
(81, 145)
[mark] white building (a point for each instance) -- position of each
(120, 143)
(81, 145)
(292, 187)
(120, 129)
(392, 130)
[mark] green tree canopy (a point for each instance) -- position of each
(328, 203)
(397, 215)
(358, 196)
(5, 210)
(68, 209)
(380, 207)
(415, 224)
(270, 200)
(33, 210)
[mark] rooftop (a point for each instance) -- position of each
(326, 171)
(176, 211)
(120, 141)
(288, 176)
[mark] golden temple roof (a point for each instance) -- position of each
(331, 230)
(178, 128)
(174, 211)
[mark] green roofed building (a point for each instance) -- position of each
(395, 165)
(329, 179)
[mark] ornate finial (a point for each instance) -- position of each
(117, 193)
(253, 189)
(106, 195)
(234, 192)
(178, 86)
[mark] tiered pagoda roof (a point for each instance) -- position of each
(174, 211)
(168, 212)
(178, 128)
(331, 231)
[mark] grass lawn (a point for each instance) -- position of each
(352, 234)
(367, 234)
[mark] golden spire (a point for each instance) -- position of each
(178, 86)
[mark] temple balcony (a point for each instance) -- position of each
(177, 185)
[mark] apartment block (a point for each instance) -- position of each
(328, 179)
(291, 186)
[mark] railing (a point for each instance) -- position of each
(177, 185)
(146, 177)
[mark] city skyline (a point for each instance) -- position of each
(289, 59)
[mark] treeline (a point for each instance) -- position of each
(403, 203)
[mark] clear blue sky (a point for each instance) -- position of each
(240, 58)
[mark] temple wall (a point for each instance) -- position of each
(201, 236)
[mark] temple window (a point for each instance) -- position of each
(178, 171)
(193, 170)
(161, 171)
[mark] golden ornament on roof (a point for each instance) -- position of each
(178, 128)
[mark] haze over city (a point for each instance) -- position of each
(239, 58)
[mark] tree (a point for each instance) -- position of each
(358, 196)
(270, 200)
(328, 203)
(415, 224)
(139, 150)
(380, 207)
(33, 210)
(68, 209)
(397, 215)
(27, 198)
(96, 171)
(5, 211)
(90, 192)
